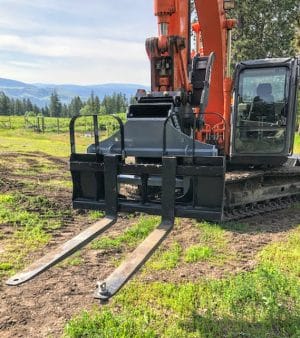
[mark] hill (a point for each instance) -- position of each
(40, 93)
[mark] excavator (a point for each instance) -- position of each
(202, 144)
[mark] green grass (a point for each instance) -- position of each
(95, 215)
(285, 254)
(130, 237)
(17, 248)
(21, 139)
(212, 234)
(166, 260)
(5, 266)
(27, 141)
(14, 211)
(297, 144)
(197, 253)
(74, 260)
(212, 244)
(31, 229)
(263, 303)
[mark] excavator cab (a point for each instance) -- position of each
(264, 111)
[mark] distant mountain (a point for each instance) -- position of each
(40, 93)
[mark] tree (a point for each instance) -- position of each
(29, 105)
(64, 110)
(97, 105)
(266, 28)
(4, 104)
(132, 100)
(93, 104)
(36, 109)
(45, 111)
(117, 103)
(55, 107)
(18, 108)
(75, 106)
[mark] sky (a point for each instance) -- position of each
(76, 41)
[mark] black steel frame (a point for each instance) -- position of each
(95, 181)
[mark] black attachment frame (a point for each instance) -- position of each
(95, 182)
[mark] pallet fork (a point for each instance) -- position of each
(96, 186)
(121, 275)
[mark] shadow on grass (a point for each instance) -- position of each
(211, 327)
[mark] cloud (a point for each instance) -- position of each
(80, 72)
(74, 41)
(70, 47)
(24, 64)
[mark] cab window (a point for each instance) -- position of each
(262, 110)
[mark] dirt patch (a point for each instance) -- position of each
(41, 307)
(243, 245)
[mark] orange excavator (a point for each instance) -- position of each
(201, 144)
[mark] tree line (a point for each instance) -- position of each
(110, 104)
(266, 29)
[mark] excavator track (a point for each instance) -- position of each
(250, 193)
(260, 208)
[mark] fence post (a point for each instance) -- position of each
(43, 124)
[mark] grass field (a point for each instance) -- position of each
(297, 144)
(60, 125)
(207, 280)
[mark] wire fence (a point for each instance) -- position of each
(41, 124)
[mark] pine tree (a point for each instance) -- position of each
(18, 108)
(4, 104)
(46, 111)
(55, 107)
(29, 106)
(36, 109)
(64, 111)
(97, 105)
(75, 106)
(93, 104)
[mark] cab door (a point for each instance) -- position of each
(264, 112)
